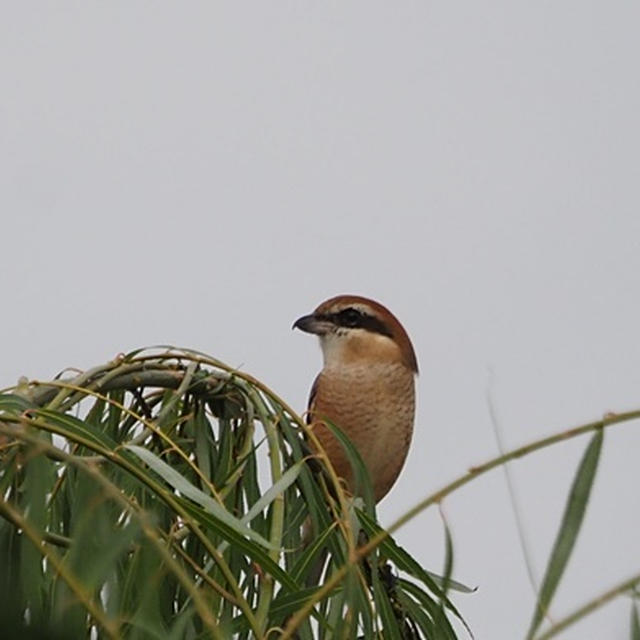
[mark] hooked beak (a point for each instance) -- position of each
(312, 324)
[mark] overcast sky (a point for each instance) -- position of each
(204, 173)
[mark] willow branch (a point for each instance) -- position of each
(474, 472)
(590, 607)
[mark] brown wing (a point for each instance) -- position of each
(312, 399)
(317, 411)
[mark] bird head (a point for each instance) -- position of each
(353, 329)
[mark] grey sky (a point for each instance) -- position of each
(204, 173)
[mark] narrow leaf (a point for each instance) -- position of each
(277, 489)
(239, 541)
(635, 622)
(13, 403)
(188, 490)
(392, 550)
(448, 559)
(404, 562)
(442, 627)
(569, 528)
(305, 563)
(73, 428)
(390, 623)
(448, 569)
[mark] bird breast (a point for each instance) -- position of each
(374, 405)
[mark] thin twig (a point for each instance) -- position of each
(513, 498)
(590, 607)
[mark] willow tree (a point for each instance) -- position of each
(165, 495)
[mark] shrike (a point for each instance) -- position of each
(366, 386)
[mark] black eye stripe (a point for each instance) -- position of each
(354, 318)
(350, 317)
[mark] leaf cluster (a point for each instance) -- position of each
(165, 495)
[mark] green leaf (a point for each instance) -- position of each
(335, 614)
(452, 585)
(441, 617)
(181, 484)
(37, 481)
(448, 557)
(239, 541)
(392, 550)
(305, 562)
(390, 625)
(404, 562)
(441, 626)
(73, 428)
(203, 443)
(418, 615)
(635, 622)
(569, 528)
(277, 489)
(13, 403)
(286, 603)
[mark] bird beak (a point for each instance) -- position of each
(312, 324)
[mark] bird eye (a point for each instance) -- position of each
(350, 317)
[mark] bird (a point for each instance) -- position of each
(366, 387)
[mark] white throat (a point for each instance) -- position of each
(349, 347)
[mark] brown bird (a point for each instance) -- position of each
(366, 386)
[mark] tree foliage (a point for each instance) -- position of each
(165, 495)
